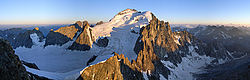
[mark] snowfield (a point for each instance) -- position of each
(56, 62)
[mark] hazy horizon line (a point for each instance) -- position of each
(95, 23)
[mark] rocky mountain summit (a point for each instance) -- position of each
(80, 33)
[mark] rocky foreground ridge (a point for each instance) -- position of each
(11, 67)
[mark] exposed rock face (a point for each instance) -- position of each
(102, 42)
(54, 38)
(103, 70)
(21, 38)
(11, 67)
(63, 34)
(69, 31)
(155, 40)
(115, 68)
(85, 40)
(99, 23)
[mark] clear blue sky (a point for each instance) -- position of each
(174, 11)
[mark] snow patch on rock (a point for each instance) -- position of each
(35, 40)
(176, 40)
(145, 75)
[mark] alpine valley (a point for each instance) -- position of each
(133, 45)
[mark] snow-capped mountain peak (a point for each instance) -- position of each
(122, 31)
(123, 18)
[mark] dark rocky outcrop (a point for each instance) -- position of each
(54, 38)
(102, 42)
(91, 59)
(36, 77)
(85, 40)
(30, 65)
(11, 67)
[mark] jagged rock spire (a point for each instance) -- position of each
(85, 40)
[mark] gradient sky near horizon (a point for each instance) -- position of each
(174, 11)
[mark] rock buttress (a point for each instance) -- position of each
(11, 67)
(85, 40)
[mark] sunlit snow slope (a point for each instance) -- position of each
(123, 30)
